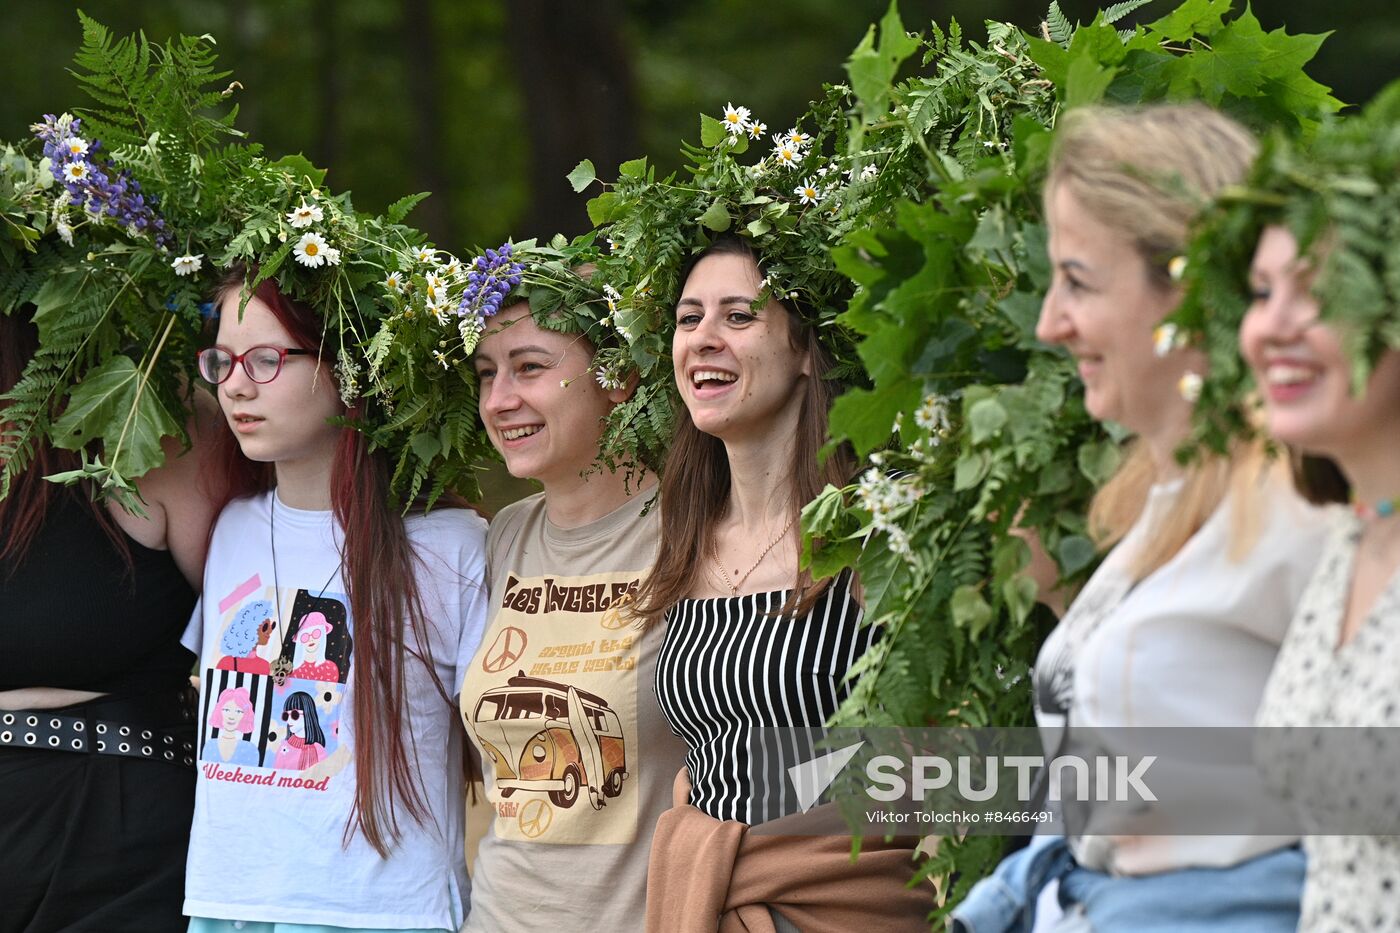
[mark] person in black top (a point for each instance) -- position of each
(96, 790)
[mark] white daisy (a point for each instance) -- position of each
(306, 215)
(1189, 385)
(808, 192)
(310, 250)
(425, 255)
(757, 129)
(612, 296)
(609, 380)
(188, 264)
(76, 171)
(76, 146)
(613, 245)
(736, 119)
(436, 288)
(441, 359)
(452, 269)
(797, 138)
(1164, 339)
(394, 281)
(786, 155)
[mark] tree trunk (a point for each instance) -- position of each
(576, 77)
(424, 100)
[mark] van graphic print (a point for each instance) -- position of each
(543, 736)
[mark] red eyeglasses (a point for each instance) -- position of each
(291, 715)
(261, 363)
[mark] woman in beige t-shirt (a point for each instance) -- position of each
(578, 761)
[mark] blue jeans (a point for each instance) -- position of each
(1257, 896)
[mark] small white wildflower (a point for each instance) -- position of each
(797, 139)
(613, 245)
(1176, 268)
(76, 171)
(609, 380)
(807, 192)
(347, 373)
(932, 415)
(1164, 339)
(425, 255)
(310, 250)
(65, 232)
(1189, 385)
(612, 296)
(394, 281)
(306, 215)
(188, 264)
(451, 270)
(786, 155)
(736, 119)
(441, 359)
(563, 383)
(870, 171)
(757, 129)
(76, 146)
(332, 256)
(435, 288)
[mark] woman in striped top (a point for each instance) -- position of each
(752, 642)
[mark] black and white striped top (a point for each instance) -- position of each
(727, 668)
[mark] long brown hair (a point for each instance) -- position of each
(1146, 173)
(31, 496)
(378, 565)
(695, 485)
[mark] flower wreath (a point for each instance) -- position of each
(117, 245)
(792, 203)
(1340, 193)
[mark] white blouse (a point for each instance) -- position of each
(1353, 882)
(1191, 644)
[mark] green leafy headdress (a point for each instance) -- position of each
(121, 231)
(779, 191)
(1339, 194)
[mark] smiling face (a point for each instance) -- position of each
(543, 430)
(1300, 364)
(1103, 306)
(285, 420)
(737, 370)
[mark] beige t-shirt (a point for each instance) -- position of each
(560, 704)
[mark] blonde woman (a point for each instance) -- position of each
(1181, 623)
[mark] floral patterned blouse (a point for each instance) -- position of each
(1353, 881)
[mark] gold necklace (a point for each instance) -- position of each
(734, 585)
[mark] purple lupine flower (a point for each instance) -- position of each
(93, 184)
(490, 279)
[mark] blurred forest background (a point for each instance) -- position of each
(489, 103)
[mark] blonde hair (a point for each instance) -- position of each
(1147, 173)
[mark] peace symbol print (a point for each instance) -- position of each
(613, 617)
(534, 818)
(505, 650)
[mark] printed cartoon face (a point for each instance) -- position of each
(540, 400)
(231, 714)
(312, 632)
(737, 370)
(1103, 306)
(1303, 372)
(296, 724)
(285, 419)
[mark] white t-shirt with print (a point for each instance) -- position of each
(276, 760)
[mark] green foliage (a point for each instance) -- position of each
(983, 428)
(1339, 195)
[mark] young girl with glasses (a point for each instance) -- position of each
(340, 621)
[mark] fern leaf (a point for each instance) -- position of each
(1119, 10)
(1059, 27)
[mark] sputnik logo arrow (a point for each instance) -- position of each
(811, 778)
